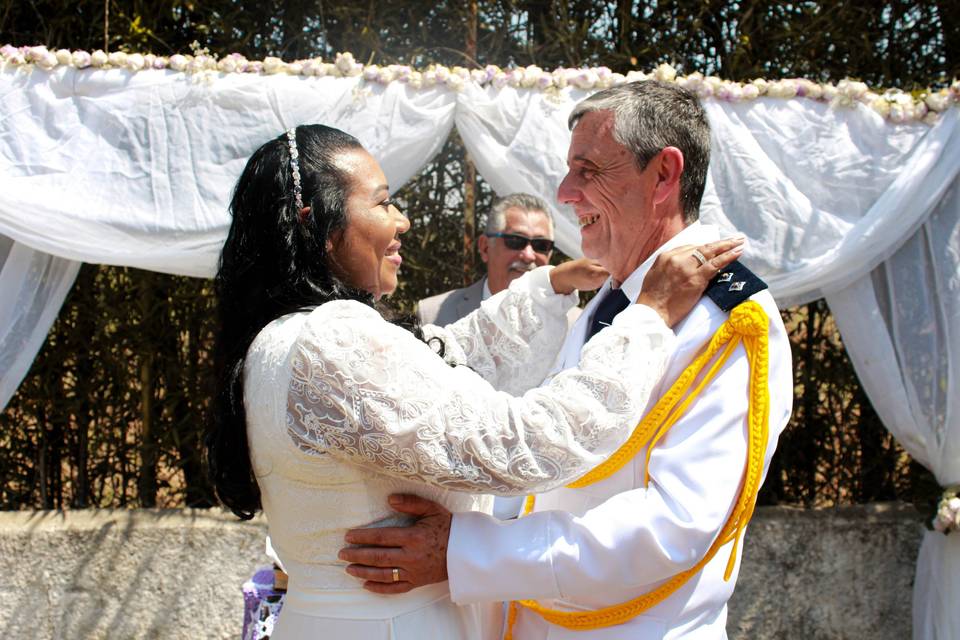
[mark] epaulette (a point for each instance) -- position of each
(732, 285)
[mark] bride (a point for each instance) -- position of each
(325, 405)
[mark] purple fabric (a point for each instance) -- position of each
(261, 605)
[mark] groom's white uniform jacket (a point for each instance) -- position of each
(588, 548)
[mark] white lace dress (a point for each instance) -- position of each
(344, 408)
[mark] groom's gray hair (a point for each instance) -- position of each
(650, 115)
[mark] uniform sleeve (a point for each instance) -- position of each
(513, 338)
(369, 392)
(638, 537)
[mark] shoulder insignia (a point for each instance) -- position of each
(732, 285)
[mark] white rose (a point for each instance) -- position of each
(751, 92)
(455, 82)
(954, 504)
(665, 73)
(64, 57)
(344, 63)
(295, 68)
(442, 73)
(227, 65)
(98, 58)
(560, 78)
(135, 62)
(634, 75)
(479, 76)
(937, 101)
(783, 89)
(931, 118)
(37, 53)
(178, 62)
(852, 89)
(272, 65)
(81, 59)
(117, 59)
(416, 80)
(815, 91)
(882, 107)
(585, 79)
(515, 77)
(47, 61)
(531, 76)
(897, 113)
(691, 82)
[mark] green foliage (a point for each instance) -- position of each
(112, 410)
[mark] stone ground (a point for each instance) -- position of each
(833, 574)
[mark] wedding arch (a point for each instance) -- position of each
(844, 193)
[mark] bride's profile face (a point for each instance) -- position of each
(366, 253)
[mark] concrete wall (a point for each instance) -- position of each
(837, 574)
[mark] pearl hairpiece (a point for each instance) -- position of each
(295, 168)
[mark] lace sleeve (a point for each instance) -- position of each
(513, 339)
(369, 392)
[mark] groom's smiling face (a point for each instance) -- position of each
(611, 195)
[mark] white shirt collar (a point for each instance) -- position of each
(695, 233)
(486, 289)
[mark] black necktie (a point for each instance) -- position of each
(612, 303)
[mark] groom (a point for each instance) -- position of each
(637, 168)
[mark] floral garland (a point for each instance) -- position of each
(893, 105)
(948, 511)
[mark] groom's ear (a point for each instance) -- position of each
(669, 165)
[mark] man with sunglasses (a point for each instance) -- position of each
(518, 238)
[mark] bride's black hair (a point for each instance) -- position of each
(273, 263)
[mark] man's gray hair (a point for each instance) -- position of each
(650, 115)
(497, 219)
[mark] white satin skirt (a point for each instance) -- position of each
(356, 614)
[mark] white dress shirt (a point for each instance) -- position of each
(607, 543)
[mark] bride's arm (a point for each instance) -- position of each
(513, 339)
(369, 392)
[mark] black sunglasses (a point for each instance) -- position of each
(516, 242)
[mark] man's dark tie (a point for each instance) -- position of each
(612, 303)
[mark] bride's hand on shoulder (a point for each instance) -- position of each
(679, 276)
(583, 274)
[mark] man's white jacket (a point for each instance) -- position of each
(610, 542)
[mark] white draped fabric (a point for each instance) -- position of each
(33, 286)
(136, 169)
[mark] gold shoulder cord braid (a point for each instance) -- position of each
(748, 323)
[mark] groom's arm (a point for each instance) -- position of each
(636, 537)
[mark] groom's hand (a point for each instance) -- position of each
(417, 552)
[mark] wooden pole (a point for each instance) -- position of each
(106, 26)
(469, 170)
